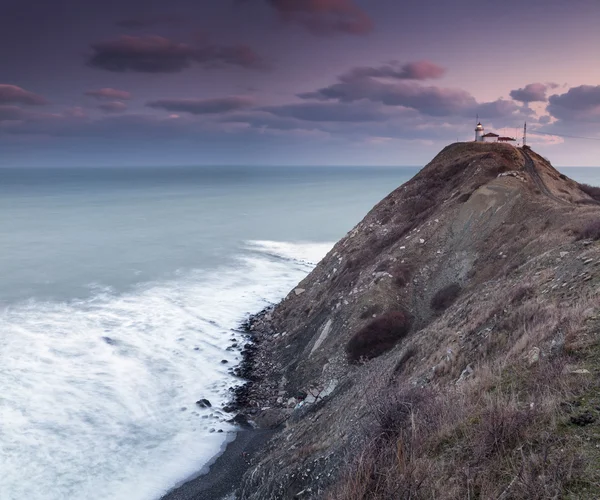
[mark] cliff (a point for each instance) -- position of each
(446, 348)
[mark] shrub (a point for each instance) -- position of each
(378, 336)
(589, 231)
(401, 273)
(592, 191)
(522, 293)
(500, 428)
(445, 297)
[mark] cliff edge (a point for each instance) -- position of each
(446, 348)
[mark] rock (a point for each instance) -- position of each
(584, 418)
(271, 418)
(533, 356)
(421, 240)
(241, 420)
(563, 254)
(299, 291)
(466, 373)
(291, 402)
(224, 361)
(204, 403)
(580, 371)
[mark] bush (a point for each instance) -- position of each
(445, 297)
(592, 191)
(589, 231)
(522, 293)
(379, 336)
(401, 273)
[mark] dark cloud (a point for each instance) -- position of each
(108, 93)
(325, 17)
(532, 92)
(11, 94)
(113, 107)
(417, 70)
(328, 112)
(203, 106)
(434, 101)
(358, 85)
(496, 109)
(155, 54)
(578, 104)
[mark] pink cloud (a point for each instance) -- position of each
(11, 94)
(110, 94)
(417, 70)
(113, 107)
(325, 17)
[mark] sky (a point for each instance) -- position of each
(293, 82)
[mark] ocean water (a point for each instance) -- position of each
(120, 292)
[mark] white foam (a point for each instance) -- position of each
(310, 253)
(92, 391)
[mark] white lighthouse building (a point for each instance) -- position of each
(479, 132)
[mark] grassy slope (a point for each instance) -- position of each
(494, 392)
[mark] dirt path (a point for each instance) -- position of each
(530, 169)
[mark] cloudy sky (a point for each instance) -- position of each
(292, 82)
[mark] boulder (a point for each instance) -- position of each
(271, 418)
(533, 356)
(241, 420)
(204, 403)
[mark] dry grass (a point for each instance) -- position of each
(505, 432)
(592, 191)
(589, 230)
(468, 442)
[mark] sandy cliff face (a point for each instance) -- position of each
(445, 348)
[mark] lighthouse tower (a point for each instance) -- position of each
(479, 132)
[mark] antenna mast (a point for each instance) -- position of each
(525, 134)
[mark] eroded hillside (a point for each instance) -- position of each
(446, 348)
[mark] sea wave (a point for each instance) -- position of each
(98, 394)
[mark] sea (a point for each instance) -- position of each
(121, 294)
